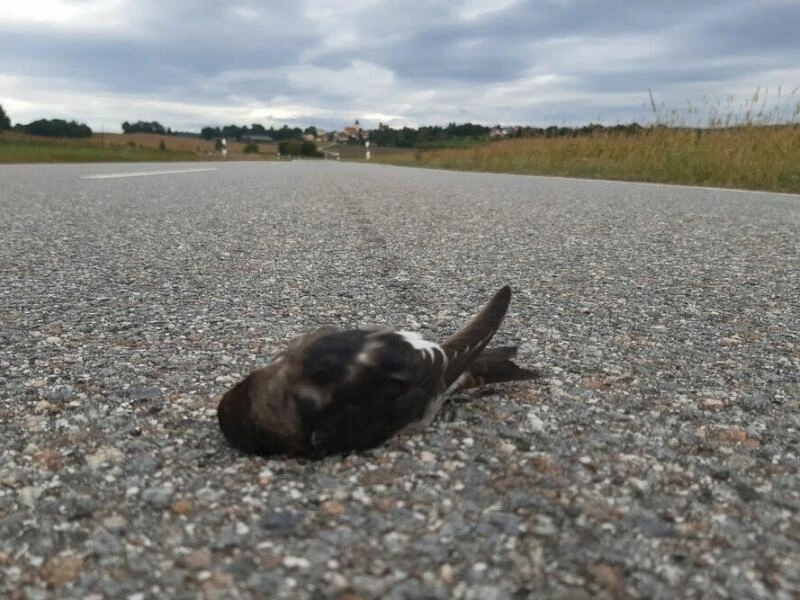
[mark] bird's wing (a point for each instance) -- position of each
(380, 381)
(462, 348)
(396, 379)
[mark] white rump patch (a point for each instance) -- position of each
(421, 344)
(364, 358)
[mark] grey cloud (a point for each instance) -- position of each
(759, 29)
(493, 48)
(207, 52)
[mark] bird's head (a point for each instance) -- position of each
(259, 415)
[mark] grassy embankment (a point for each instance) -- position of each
(752, 148)
(110, 147)
(379, 153)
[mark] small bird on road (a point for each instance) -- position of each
(334, 391)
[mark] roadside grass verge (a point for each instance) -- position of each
(22, 148)
(54, 152)
(753, 148)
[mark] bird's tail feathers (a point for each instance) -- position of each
(465, 345)
(495, 365)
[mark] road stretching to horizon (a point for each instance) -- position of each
(657, 458)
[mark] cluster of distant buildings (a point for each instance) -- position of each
(500, 132)
(355, 132)
(351, 132)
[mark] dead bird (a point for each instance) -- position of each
(333, 391)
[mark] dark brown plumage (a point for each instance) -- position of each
(334, 391)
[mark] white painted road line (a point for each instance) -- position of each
(146, 173)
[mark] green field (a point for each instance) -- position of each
(138, 147)
(43, 152)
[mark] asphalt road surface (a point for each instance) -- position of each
(658, 457)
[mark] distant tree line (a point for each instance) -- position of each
(155, 127)
(426, 136)
(590, 129)
(238, 132)
(146, 127)
(55, 128)
(47, 127)
(408, 137)
(5, 121)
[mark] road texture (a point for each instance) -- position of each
(658, 457)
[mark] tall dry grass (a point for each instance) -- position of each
(755, 147)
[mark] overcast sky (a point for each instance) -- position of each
(191, 63)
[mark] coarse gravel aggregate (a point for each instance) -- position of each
(657, 458)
